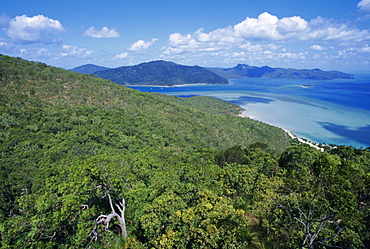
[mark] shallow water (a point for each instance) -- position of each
(331, 112)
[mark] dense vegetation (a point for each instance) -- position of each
(161, 73)
(246, 71)
(89, 69)
(77, 150)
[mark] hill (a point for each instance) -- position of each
(34, 85)
(88, 163)
(161, 73)
(88, 69)
(246, 71)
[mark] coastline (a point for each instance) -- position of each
(289, 133)
(192, 84)
(328, 113)
(294, 136)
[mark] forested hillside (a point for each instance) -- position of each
(246, 71)
(163, 73)
(89, 69)
(87, 163)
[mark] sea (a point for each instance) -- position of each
(332, 112)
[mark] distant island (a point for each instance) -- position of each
(161, 73)
(89, 69)
(245, 71)
(165, 73)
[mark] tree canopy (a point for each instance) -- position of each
(87, 163)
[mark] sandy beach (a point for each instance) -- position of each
(192, 84)
(290, 133)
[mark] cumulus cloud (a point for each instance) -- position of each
(326, 29)
(121, 56)
(248, 46)
(365, 49)
(38, 28)
(265, 27)
(269, 27)
(103, 33)
(141, 45)
(364, 5)
(317, 47)
(200, 41)
(70, 50)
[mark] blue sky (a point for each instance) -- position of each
(326, 34)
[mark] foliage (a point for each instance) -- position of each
(89, 69)
(161, 73)
(206, 104)
(190, 179)
(246, 71)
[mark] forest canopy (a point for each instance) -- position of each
(163, 73)
(87, 163)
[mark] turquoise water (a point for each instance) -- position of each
(331, 112)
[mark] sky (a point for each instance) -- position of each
(325, 34)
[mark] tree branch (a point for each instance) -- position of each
(106, 219)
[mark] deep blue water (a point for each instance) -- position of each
(330, 111)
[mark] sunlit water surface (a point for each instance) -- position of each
(328, 111)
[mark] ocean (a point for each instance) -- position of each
(321, 111)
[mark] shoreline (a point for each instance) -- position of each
(300, 139)
(192, 84)
(289, 133)
(325, 126)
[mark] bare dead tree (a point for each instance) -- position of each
(313, 226)
(106, 219)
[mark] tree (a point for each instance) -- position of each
(67, 207)
(320, 200)
(212, 223)
(106, 219)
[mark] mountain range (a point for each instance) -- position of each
(167, 73)
(246, 71)
(89, 69)
(161, 73)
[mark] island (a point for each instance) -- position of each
(89, 69)
(160, 73)
(166, 73)
(245, 71)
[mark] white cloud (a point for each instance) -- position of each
(248, 46)
(33, 29)
(171, 50)
(266, 27)
(103, 33)
(121, 56)
(69, 50)
(365, 49)
(141, 45)
(199, 41)
(364, 5)
(317, 47)
(219, 35)
(34, 52)
(269, 27)
(300, 56)
(327, 30)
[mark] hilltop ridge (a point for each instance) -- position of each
(35, 85)
(166, 73)
(161, 73)
(88, 69)
(246, 71)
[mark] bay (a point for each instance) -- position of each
(321, 111)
